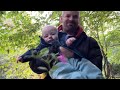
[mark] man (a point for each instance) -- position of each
(80, 43)
(87, 46)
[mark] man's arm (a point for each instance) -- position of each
(95, 55)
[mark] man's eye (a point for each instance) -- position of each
(67, 16)
(76, 16)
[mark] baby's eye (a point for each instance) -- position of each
(45, 36)
(53, 33)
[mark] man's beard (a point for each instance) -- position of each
(70, 30)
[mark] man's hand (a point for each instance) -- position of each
(69, 41)
(67, 53)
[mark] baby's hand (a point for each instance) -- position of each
(19, 59)
(69, 41)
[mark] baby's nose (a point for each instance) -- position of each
(49, 36)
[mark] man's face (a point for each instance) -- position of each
(70, 20)
(50, 35)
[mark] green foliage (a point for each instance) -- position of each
(104, 27)
(17, 35)
(19, 32)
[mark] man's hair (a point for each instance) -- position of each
(64, 11)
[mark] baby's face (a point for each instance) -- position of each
(50, 35)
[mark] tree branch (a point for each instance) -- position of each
(114, 45)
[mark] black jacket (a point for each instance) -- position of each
(35, 63)
(42, 45)
(86, 47)
(52, 48)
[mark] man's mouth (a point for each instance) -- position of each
(70, 24)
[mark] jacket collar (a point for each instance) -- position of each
(42, 41)
(80, 30)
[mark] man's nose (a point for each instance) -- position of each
(71, 18)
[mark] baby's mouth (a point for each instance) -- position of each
(50, 41)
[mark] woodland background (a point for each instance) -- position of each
(20, 31)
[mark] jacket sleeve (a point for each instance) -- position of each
(29, 52)
(95, 55)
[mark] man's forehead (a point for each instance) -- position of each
(70, 12)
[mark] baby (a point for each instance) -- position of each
(48, 40)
